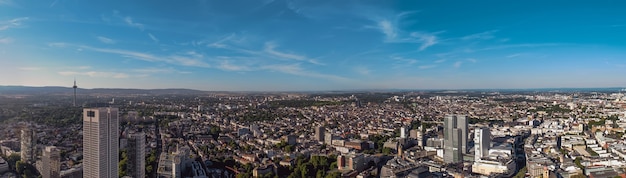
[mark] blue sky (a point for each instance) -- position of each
(288, 45)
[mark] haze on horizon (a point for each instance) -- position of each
(313, 45)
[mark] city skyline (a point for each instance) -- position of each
(312, 45)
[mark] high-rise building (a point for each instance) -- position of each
(404, 132)
(319, 133)
(100, 142)
(50, 162)
(482, 140)
(137, 154)
(455, 138)
(28, 145)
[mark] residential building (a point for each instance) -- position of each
(28, 145)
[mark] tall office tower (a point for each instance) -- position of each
(482, 140)
(100, 142)
(28, 143)
(404, 132)
(455, 138)
(74, 91)
(319, 133)
(51, 162)
(137, 154)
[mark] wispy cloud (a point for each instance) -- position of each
(400, 62)
(426, 66)
(5, 40)
(394, 34)
(525, 45)
(129, 21)
(190, 58)
(362, 70)
(472, 60)
(458, 64)
(388, 29)
(95, 74)
(296, 69)
(440, 61)
(426, 39)
(480, 36)
(229, 66)
(106, 40)
(6, 3)
(13, 23)
(514, 55)
(146, 71)
(270, 48)
(155, 39)
(30, 68)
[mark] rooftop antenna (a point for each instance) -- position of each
(75, 91)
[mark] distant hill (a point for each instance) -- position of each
(28, 90)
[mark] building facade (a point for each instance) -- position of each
(137, 154)
(100, 142)
(28, 145)
(50, 162)
(455, 138)
(482, 141)
(319, 133)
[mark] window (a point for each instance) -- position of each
(91, 114)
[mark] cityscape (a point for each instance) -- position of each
(189, 133)
(312, 89)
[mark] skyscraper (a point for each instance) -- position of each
(51, 162)
(319, 133)
(404, 132)
(27, 145)
(74, 91)
(100, 142)
(482, 141)
(137, 154)
(455, 138)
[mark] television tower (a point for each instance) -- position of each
(75, 91)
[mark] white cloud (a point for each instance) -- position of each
(362, 70)
(106, 40)
(129, 21)
(440, 61)
(145, 72)
(228, 66)
(387, 28)
(480, 36)
(29, 68)
(270, 49)
(156, 40)
(295, 69)
(6, 40)
(514, 55)
(7, 3)
(426, 39)
(426, 66)
(185, 59)
(95, 74)
(13, 23)
(458, 64)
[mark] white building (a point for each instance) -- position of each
(482, 140)
(100, 142)
(50, 162)
(28, 143)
